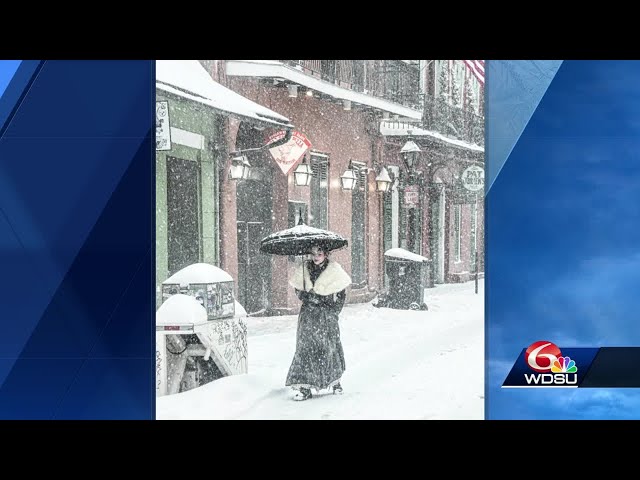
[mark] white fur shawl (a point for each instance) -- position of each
(332, 280)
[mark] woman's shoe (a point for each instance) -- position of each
(302, 394)
(337, 389)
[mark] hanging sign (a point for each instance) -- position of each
(163, 129)
(473, 178)
(288, 154)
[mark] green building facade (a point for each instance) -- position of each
(187, 217)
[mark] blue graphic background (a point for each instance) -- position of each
(563, 229)
(76, 241)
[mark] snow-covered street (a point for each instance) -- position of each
(400, 365)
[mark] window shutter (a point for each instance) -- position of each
(387, 214)
(319, 191)
(402, 213)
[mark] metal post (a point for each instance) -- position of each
(476, 270)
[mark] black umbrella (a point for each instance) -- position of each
(300, 239)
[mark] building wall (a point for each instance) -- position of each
(228, 218)
(462, 271)
(201, 120)
(343, 135)
(451, 161)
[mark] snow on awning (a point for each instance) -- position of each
(390, 129)
(276, 69)
(189, 79)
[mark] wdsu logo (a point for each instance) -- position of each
(543, 365)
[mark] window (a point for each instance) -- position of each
(319, 190)
(297, 210)
(456, 231)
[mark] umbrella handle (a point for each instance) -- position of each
(304, 285)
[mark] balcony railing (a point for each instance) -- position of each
(442, 117)
(398, 82)
(393, 80)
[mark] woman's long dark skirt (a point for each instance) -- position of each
(319, 359)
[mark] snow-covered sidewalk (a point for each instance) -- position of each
(400, 365)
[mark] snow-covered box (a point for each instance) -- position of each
(210, 285)
(201, 333)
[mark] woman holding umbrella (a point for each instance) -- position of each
(318, 362)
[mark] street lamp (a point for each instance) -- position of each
(239, 169)
(383, 180)
(410, 153)
(348, 178)
(302, 174)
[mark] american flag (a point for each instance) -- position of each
(477, 68)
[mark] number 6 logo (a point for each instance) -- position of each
(541, 355)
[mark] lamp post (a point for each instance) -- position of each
(410, 154)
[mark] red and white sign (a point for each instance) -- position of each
(289, 154)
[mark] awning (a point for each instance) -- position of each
(189, 79)
(391, 129)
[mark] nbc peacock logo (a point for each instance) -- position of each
(564, 365)
(551, 367)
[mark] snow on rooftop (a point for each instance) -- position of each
(199, 273)
(189, 79)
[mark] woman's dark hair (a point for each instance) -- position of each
(320, 247)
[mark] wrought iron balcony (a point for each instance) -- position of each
(440, 116)
(398, 82)
(393, 80)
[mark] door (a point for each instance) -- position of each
(254, 201)
(439, 223)
(253, 267)
(183, 213)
